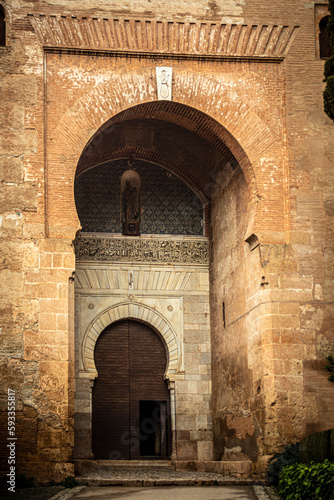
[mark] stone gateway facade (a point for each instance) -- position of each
(188, 308)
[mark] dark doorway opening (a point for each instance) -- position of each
(153, 428)
(325, 46)
(2, 27)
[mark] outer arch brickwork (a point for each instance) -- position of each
(242, 130)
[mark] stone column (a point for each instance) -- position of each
(90, 444)
(171, 387)
(83, 419)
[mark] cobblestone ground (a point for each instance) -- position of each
(266, 493)
(159, 477)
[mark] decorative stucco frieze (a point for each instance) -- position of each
(183, 251)
(198, 38)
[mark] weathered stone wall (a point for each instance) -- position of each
(34, 348)
(237, 307)
(301, 273)
(272, 121)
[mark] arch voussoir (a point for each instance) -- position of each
(135, 311)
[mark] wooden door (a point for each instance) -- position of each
(110, 417)
(130, 398)
(147, 366)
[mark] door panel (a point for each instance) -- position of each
(110, 417)
(130, 359)
(147, 366)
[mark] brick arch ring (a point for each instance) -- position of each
(140, 312)
(235, 124)
(243, 131)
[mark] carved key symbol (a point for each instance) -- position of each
(164, 85)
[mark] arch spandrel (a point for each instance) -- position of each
(245, 134)
(140, 312)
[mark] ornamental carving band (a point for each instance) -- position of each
(144, 35)
(141, 250)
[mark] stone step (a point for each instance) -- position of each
(87, 467)
(147, 482)
(165, 473)
(226, 468)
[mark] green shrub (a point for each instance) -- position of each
(307, 481)
(329, 67)
(330, 360)
(69, 482)
(329, 97)
(290, 455)
(22, 481)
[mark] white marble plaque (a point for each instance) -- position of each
(164, 83)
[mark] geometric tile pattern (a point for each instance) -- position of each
(169, 206)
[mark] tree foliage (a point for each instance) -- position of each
(289, 455)
(314, 481)
(329, 67)
(330, 368)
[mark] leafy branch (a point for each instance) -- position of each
(329, 67)
(330, 368)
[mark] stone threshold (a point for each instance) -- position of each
(223, 481)
(243, 467)
(91, 466)
(125, 463)
(237, 468)
(165, 473)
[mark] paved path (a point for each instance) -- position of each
(167, 493)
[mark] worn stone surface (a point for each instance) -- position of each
(158, 475)
(248, 135)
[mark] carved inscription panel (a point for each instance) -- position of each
(194, 251)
